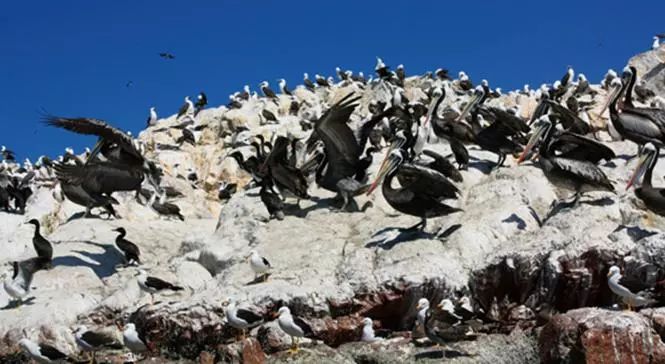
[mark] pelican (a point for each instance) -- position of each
(577, 175)
(654, 198)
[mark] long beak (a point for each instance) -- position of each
(639, 171)
(430, 110)
(95, 151)
(472, 102)
(385, 167)
(610, 98)
(534, 139)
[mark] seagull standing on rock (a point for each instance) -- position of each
(259, 264)
(133, 340)
(152, 119)
(629, 298)
(93, 341)
(240, 318)
(153, 285)
(294, 327)
(368, 331)
(42, 353)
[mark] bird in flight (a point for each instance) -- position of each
(166, 55)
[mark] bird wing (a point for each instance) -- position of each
(582, 170)
(366, 128)
(306, 328)
(90, 126)
(26, 179)
(51, 352)
(426, 181)
(341, 146)
(656, 115)
(157, 283)
(4, 180)
(249, 316)
(570, 121)
(575, 146)
(128, 247)
(513, 122)
(97, 339)
(265, 261)
(441, 164)
(182, 110)
(633, 122)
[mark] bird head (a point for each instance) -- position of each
(283, 311)
(228, 302)
(422, 303)
(121, 230)
(648, 156)
(33, 222)
(616, 88)
(368, 321)
(251, 253)
(446, 305)
(613, 271)
(542, 127)
(478, 94)
(392, 160)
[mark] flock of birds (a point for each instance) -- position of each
(336, 157)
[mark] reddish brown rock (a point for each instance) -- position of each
(594, 335)
(335, 332)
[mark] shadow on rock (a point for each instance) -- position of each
(106, 262)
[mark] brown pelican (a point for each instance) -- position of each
(577, 175)
(125, 167)
(421, 191)
(632, 124)
(656, 114)
(288, 179)
(654, 198)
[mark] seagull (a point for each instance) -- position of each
(368, 331)
(130, 249)
(133, 340)
(629, 298)
(153, 285)
(186, 109)
(18, 285)
(93, 341)
(259, 264)
(464, 308)
(42, 353)
(422, 307)
(293, 326)
(449, 315)
(240, 318)
(152, 119)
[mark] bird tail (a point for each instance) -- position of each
(176, 288)
(182, 218)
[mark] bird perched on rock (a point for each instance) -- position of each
(152, 118)
(629, 298)
(187, 109)
(133, 340)
(42, 246)
(18, 285)
(201, 102)
(422, 307)
(241, 318)
(42, 353)
(226, 190)
(272, 202)
(163, 208)
(153, 285)
(129, 249)
(295, 327)
(368, 331)
(93, 341)
(259, 264)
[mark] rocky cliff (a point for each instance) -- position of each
(543, 281)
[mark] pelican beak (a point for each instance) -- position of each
(610, 97)
(472, 102)
(386, 166)
(95, 151)
(534, 139)
(639, 171)
(430, 110)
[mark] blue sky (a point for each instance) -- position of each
(74, 58)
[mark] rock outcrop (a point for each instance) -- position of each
(531, 276)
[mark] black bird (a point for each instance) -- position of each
(286, 178)
(268, 115)
(19, 190)
(93, 341)
(577, 175)
(267, 91)
(186, 137)
(125, 168)
(283, 88)
(308, 83)
(7, 154)
(321, 81)
(272, 202)
(226, 190)
(653, 197)
(42, 246)
(163, 208)
(655, 114)
(381, 69)
(201, 102)
(166, 55)
(421, 190)
(78, 195)
(130, 249)
(153, 285)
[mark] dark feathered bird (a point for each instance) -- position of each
(163, 208)
(42, 246)
(268, 115)
(166, 55)
(226, 190)
(187, 137)
(272, 202)
(201, 102)
(130, 249)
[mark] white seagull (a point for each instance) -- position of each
(259, 264)
(629, 298)
(134, 341)
(240, 318)
(368, 331)
(42, 353)
(293, 326)
(422, 307)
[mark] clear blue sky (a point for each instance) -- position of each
(73, 58)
